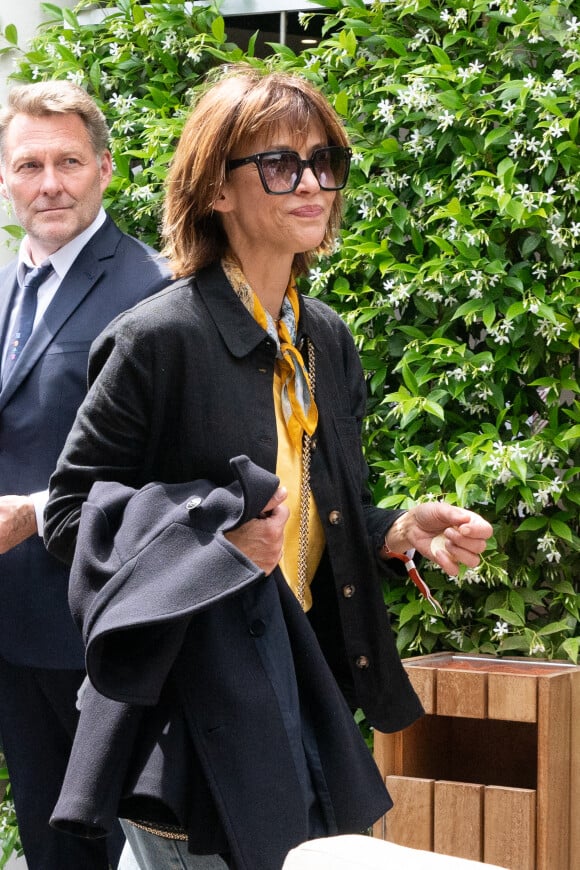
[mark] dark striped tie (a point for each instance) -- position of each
(23, 330)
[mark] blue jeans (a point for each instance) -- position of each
(145, 851)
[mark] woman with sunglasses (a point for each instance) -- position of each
(232, 361)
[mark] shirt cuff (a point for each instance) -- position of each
(39, 500)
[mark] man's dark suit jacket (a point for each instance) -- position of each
(37, 408)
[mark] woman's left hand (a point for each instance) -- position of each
(443, 533)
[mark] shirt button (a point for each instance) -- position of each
(362, 663)
(193, 503)
(335, 518)
(257, 628)
(348, 590)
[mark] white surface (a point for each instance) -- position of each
(16, 864)
(357, 852)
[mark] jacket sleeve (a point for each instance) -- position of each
(109, 438)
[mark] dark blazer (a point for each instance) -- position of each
(37, 408)
(183, 383)
(176, 618)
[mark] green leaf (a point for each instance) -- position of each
(517, 604)
(409, 378)
(434, 408)
(560, 529)
(11, 34)
(400, 216)
(252, 43)
(396, 45)
(510, 616)
(571, 647)
(532, 524)
(553, 628)
(500, 134)
(70, 18)
(410, 611)
(488, 315)
(341, 103)
(95, 75)
(440, 56)
(218, 28)
(505, 171)
(347, 41)
(530, 244)
(515, 209)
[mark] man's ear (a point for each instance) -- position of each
(3, 188)
(106, 170)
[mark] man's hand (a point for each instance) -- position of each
(447, 535)
(262, 539)
(17, 521)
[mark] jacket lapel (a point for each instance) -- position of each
(77, 283)
(8, 288)
(238, 329)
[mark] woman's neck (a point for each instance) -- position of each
(269, 282)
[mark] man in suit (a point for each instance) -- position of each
(54, 167)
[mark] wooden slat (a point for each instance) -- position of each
(462, 693)
(458, 819)
(574, 860)
(553, 817)
(388, 750)
(512, 697)
(509, 827)
(423, 681)
(410, 822)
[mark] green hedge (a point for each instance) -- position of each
(458, 269)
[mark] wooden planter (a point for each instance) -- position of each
(492, 771)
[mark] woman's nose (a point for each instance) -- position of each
(309, 180)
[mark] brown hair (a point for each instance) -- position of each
(55, 98)
(243, 104)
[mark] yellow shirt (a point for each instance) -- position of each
(289, 470)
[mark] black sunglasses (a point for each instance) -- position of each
(281, 171)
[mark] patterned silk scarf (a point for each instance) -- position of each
(298, 405)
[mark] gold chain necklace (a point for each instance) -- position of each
(305, 490)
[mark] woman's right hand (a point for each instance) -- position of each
(262, 539)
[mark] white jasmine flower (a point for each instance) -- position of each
(475, 67)
(500, 629)
(386, 111)
(539, 270)
(422, 35)
(115, 50)
(456, 636)
(445, 120)
(555, 130)
(76, 78)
